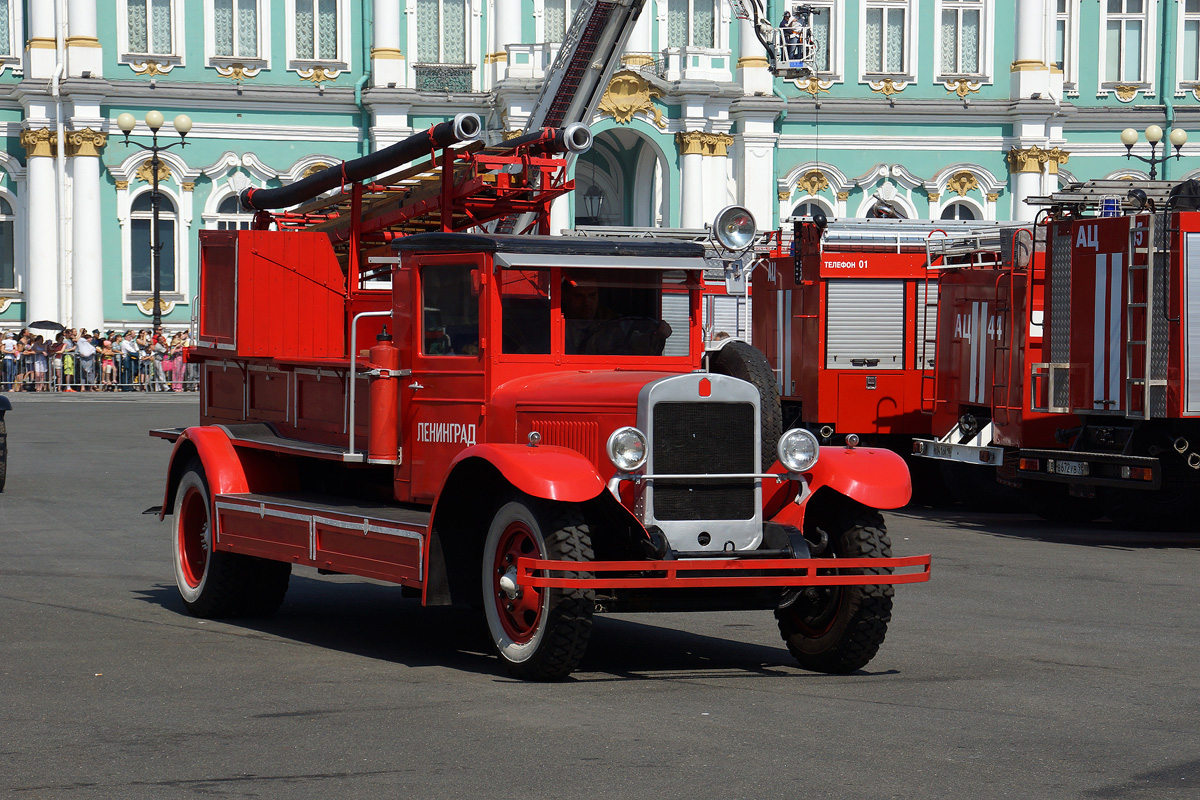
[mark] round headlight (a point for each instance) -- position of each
(627, 449)
(798, 450)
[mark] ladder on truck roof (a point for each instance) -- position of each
(590, 54)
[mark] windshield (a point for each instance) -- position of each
(608, 312)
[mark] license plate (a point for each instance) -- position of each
(1070, 468)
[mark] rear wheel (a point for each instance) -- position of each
(212, 583)
(539, 634)
(839, 629)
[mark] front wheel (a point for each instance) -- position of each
(539, 634)
(839, 629)
(212, 583)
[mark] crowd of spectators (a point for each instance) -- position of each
(84, 361)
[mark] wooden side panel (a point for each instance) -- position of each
(368, 550)
(243, 530)
(218, 279)
(268, 396)
(224, 397)
(291, 296)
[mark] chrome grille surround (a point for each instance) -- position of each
(693, 434)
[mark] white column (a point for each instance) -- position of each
(40, 55)
(755, 162)
(506, 30)
(639, 41)
(387, 59)
(752, 71)
(1030, 70)
(87, 268)
(691, 189)
(41, 266)
(84, 53)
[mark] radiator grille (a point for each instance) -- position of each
(703, 438)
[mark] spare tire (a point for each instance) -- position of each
(738, 359)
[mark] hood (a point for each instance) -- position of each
(605, 391)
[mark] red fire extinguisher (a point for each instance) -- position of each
(384, 429)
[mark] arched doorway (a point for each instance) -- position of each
(621, 181)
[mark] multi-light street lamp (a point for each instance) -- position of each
(154, 121)
(1154, 135)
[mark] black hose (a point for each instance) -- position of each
(463, 127)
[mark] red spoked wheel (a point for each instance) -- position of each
(520, 613)
(212, 583)
(539, 634)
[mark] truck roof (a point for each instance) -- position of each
(549, 245)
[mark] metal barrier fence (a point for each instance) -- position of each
(70, 372)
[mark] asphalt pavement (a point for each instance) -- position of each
(1041, 661)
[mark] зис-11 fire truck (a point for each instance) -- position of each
(504, 421)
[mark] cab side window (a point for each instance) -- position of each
(450, 311)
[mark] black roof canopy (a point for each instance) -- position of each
(545, 245)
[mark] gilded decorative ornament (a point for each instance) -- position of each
(1126, 93)
(962, 87)
(813, 85)
(784, 194)
(86, 142)
(716, 144)
(1054, 158)
(1027, 160)
(888, 87)
(690, 143)
(628, 93)
(962, 182)
(992, 196)
(5, 302)
(39, 142)
(843, 196)
(314, 169)
(188, 186)
(143, 172)
(237, 72)
(934, 196)
(319, 75)
(147, 306)
(150, 68)
(511, 135)
(813, 181)
(122, 185)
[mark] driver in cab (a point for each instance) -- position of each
(594, 329)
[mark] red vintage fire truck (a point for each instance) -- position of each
(392, 389)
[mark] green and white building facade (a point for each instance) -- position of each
(947, 108)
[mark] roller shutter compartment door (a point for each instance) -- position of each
(926, 330)
(676, 313)
(864, 325)
(728, 313)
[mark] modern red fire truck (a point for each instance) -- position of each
(1095, 417)
(505, 421)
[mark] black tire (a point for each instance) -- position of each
(738, 359)
(3, 453)
(540, 635)
(839, 629)
(215, 584)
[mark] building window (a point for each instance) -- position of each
(149, 27)
(691, 23)
(141, 222)
(885, 45)
(317, 30)
(1189, 52)
(231, 217)
(1124, 36)
(8, 262)
(12, 38)
(235, 28)
(442, 31)
(556, 16)
(806, 208)
(962, 36)
(958, 211)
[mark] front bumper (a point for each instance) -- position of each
(721, 573)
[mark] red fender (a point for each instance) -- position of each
(548, 471)
(873, 476)
(220, 460)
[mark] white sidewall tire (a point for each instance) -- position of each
(510, 650)
(191, 482)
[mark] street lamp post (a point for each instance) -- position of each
(154, 121)
(1154, 135)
